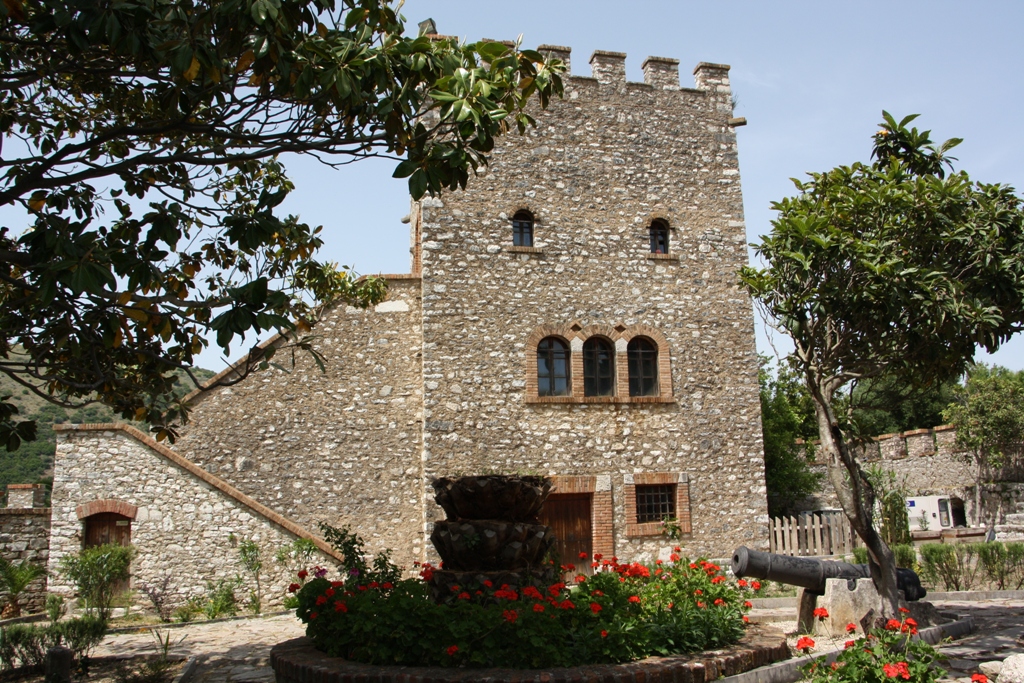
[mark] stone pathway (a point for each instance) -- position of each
(239, 651)
(231, 651)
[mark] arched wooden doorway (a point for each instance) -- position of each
(105, 528)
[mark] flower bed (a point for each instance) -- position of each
(622, 613)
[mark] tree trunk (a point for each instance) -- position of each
(856, 497)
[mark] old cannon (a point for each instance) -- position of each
(810, 574)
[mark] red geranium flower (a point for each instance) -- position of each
(634, 598)
(748, 604)
(892, 625)
(719, 602)
(464, 595)
(538, 607)
(598, 592)
(805, 644)
(580, 578)
(293, 587)
(904, 610)
(746, 619)
(595, 608)
(597, 557)
(339, 606)
(320, 599)
(329, 592)
(303, 574)
(742, 583)
(488, 584)
(848, 644)
(566, 604)
(314, 615)
(909, 626)
(979, 678)
(452, 650)
(583, 556)
(604, 634)
(337, 584)
(756, 585)
(388, 586)
(510, 615)
(821, 613)
(850, 628)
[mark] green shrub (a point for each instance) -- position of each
(954, 564)
(1015, 561)
(220, 598)
(97, 572)
(906, 555)
(860, 555)
(252, 560)
(81, 635)
(188, 611)
(26, 644)
(55, 607)
(887, 654)
(15, 578)
(993, 560)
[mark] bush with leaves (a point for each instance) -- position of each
(220, 598)
(621, 613)
(97, 573)
(954, 564)
(159, 596)
(188, 610)
(892, 653)
(15, 579)
(252, 559)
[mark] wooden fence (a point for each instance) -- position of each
(817, 533)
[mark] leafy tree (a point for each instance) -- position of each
(784, 420)
(890, 271)
(98, 573)
(142, 139)
(988, 414)
(887, 406)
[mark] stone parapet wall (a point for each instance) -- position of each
(187, 523)
(25, 535)
(341, 446)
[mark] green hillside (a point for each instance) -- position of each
(32, 462)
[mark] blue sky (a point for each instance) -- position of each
(810, 77)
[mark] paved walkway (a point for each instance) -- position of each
(239, 651)
(228, 651)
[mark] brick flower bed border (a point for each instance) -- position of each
(297, 661)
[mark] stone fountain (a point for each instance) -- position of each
(492, 533)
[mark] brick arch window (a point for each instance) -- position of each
(598, 367)
(659, 236)
(522, 229)
(553, 376)
(642, 356)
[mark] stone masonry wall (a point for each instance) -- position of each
(24, 535)
(341, 447)
(186, 524)
(600, 166)
(931, 464)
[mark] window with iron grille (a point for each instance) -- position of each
(642, 356)
(655, 502)
(659, 237)
(598, 368)
(522, 229)
(552, 367)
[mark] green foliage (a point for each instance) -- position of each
(27, 644)
(786, 415)
(252, 560)
(622, 613)
(188, 610)
(988, 413)
(887, 406)
(954, 564)
(351, 547)
(97, 573)
(891, 494)
(906, 555)
(220, 598)
(153, 671)
(158, 221)
(15, 578)
(886, 655)
(1003, 564)
(55, 607)
(889, 272)
(860, 555)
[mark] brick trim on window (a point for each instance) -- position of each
(683, 517)
(108, 505)
(602, 540)
(575, 335)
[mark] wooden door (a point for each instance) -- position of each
(568, 515)
(108, 528)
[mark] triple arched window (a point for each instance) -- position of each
(594, 367)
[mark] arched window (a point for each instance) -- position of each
(552, 367)
(659, 237)
(522, 229)
(643, 367)
(598, 368)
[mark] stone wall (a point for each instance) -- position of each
(930, 463)
(184, 522)
(24, 535)
(341, 446)
(600, 166)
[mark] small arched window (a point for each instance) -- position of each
(522, 229)
(643, 367)
(659, 237)
(598, 368)
(552, 367)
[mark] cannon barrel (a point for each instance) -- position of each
(809, 573)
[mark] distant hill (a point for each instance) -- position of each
(33, 462)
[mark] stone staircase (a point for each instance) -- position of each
(1012, 529)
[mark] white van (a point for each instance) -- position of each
(935, 512)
